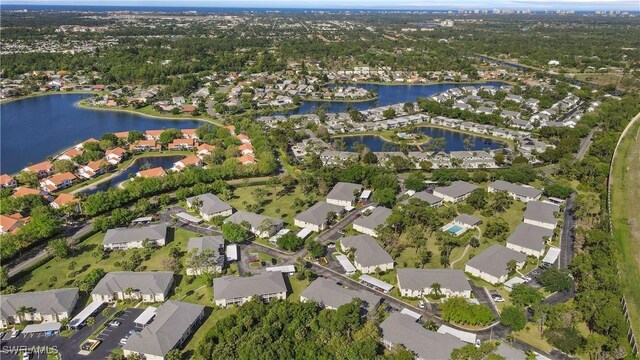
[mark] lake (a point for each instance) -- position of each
(165, 162)
(34, 128)
(454, 140)
(387, 95)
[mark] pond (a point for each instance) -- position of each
(387, 95)
(34, 128)
(165, 162)
(454, 140)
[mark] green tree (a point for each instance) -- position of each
(290, 242)
(524, 295)
(415, 181)
(513, 317)
(235, 233)
(554, 279)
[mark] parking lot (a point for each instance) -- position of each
(70, 346)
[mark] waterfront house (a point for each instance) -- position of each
(147, 286)
(63, 200)
(182, 144)
(114, 156)
(57, 182)
(153, 134)
(192, 160)
(92, 169)
(70, 154)
(145, 145)
(235, 290)
(43, 306)
(42, 169)
(204, 150)
(135, 237)
(8, 181)
(24, 191)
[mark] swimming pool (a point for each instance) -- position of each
(454, 229)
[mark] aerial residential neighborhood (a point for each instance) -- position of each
(319, 181)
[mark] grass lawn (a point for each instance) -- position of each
(276, 206)
(531, 336)
(58, 269)
(297, 286)
(625, 201)
(193, 289)
(209, 323)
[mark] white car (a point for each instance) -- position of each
(478, 343)
(15, 333)
(123, 340)
(26, 355)
(421, 304)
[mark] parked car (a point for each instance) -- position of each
(124, 340)
(2, 335)
(26, 355)
(421, 304)
(478, 343)
(15, 333)
(114, 323)
(526, 278)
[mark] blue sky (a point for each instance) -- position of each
(632, 5)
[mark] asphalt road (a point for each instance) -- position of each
(584, 145)
(566, 237)
(484, 298)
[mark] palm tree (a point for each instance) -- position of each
(106, 312)
(91, 321)
(128, 291)
(436, 290)
(65, 323)
(22, 311)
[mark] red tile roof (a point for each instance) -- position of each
(65, 199)
(43, 166)
(24, 191)
(5, 179)
(247, 159)
(154, 172)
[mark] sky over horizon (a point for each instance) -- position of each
(628, 5)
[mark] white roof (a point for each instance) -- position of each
(462, 335)
(142, 219)
(375, 282)
(146, 316)
(43, 327)
(348, 208)
(190, 218)
(346, 264)
(86, 312)
(365, 194)
(232, 252)
(552, 255)
(304, 233)
(288, 269)
(275, 237)
(410, 192)
(513, 282)
(413, 314)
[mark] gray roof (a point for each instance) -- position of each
(541, 211)
(520, 190)
(145, 282)
(173, 319)
(252, 218)
(428, 197)
(125, 235)
(230, 287)
(368, 251)
(457, 189)
(215, 243)
(494, 260)
(530, 236)
(317, 214)
(467, 219)
(344, 191)
(419, 279)
(327, 292)
(403, 329)
(44, 302)
(211, 204)
(510, 353)
(377, 217)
